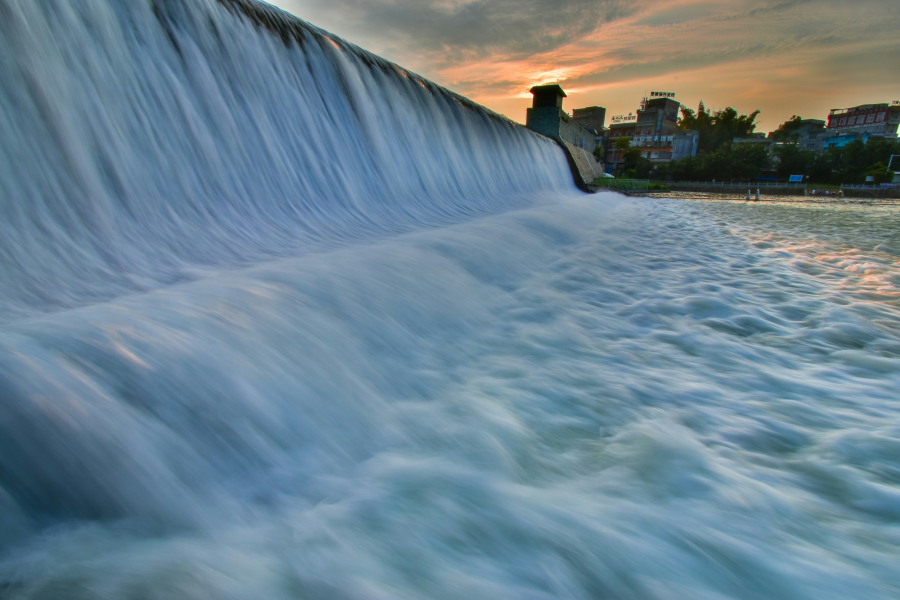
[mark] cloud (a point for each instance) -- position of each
(467, 29)
(785, 56)
(680, 14)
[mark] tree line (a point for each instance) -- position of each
(718, 158)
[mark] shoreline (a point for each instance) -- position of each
(711, 197)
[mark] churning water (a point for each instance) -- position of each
(284, 321)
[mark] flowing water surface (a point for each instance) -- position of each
(283, 321)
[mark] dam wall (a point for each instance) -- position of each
(570, 134)
(576, 142)
(293, 30)
(198, 134)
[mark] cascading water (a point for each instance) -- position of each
(145, 141)
(279, 319)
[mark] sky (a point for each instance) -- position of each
(784, 58)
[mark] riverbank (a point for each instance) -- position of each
(714, 197)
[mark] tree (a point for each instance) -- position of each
(787, 131)
(850, 164)
(718, 128)
(745, 161)
(880, 173)
(695, 121)
(857, 159)
(636, 165)
(622, 143)
(823, 168)
(794, 161)
(718, 159)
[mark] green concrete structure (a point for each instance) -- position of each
(547, 117)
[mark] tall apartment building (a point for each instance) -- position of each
(655, 131)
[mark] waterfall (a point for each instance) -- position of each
(142, 142)
(280, 319)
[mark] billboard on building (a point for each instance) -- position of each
(860, 116)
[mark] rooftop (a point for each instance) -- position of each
(541, 89)
(838, 111)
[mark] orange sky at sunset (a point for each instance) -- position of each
(784, 58)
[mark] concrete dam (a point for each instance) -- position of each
(281, 319)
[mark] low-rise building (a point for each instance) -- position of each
(593, 118)
(757, 139)
(807, 134)
(842, 139)
(686, 143)
(871, 119)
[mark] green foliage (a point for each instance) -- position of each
(636, 165)
(598, 153)
(853, 162)
(632, 156)
(850, 164)
(794, 161)
(787, 131)
(718, 128)
(627, 185)
(746, 161)
(622, 143)
(880, 173)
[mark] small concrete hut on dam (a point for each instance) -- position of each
(547, 117)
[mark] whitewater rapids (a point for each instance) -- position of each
(280, 321)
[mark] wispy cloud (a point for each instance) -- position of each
(462, 29)
(786, 57)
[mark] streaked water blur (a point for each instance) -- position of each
(237, 373)
(144, 143)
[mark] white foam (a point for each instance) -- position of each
(269, 366)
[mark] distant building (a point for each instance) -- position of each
(753, 138)
(593, 118)
(756, 139)
(807, 134)
(842, 139)
(657, 117)
(861, 123)
(685, 143)
(655, 131)
(547, 117)
(871, 119)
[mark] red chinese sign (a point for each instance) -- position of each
(850, 117)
